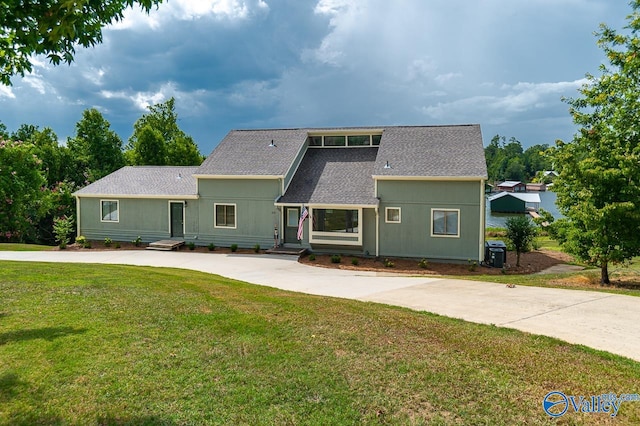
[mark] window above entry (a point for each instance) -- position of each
(344, 141)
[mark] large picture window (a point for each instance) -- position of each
(335, 220)
(225, 215)
(109, 211)
(445, 223)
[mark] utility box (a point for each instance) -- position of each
(495, 254)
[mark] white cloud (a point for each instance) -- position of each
(36, 82)
(185, 10)
(94, 75)
(254, 93)
(6, 92)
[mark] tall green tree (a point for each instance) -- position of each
(54, 28)
(22, 191)
(96, 149)
(599, 184)
(179, 149)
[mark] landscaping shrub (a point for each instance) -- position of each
(424, 263)
(191, 245)
(234, 248)
(388, 263)
(256, 248)
(312, 257)
(81, 240)
(354, 261)
(62, 229)
(211, 247)
(117, 245)
(137, 241)
(336, 258)
(473, 265)
(107, 242)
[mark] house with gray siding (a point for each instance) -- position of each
(407, 191)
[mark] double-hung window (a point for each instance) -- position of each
(445, 223)
(109, 211)
(225, 216)
(392, 215)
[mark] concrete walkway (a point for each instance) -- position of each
(599, 320)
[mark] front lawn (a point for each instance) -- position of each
(105, 344)
(24, 247)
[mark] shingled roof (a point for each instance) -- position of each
(151, 181)
(454, 151)
(334, 176)
(432, 151)
(247, 153)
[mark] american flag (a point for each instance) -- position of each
(303, 215)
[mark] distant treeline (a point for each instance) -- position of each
(506, 160)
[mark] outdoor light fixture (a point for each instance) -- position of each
(387, 166)
(272, 145)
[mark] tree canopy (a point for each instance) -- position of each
(53, 28)
(158, 140)
(506, 160)
(599, 183)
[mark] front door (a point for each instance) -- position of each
(177, 220)
(292, 217)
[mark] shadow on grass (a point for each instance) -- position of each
(8, 384)
(46, 333)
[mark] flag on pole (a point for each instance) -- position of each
(303, 215)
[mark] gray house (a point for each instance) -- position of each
(410, 191)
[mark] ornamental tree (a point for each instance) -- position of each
(598, 187)
(521, 232)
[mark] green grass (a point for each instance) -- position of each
(106, 344)
(24, 247)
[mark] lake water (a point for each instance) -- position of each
(547, 202)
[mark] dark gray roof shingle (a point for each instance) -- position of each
(432, 151)
(247, 152)
(334, 176)
(157, 181)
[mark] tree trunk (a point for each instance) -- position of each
(604, 274)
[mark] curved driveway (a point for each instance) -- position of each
(599, 320)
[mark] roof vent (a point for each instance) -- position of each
(387, 165)
(272, 145)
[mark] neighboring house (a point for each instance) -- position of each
(506, 202)
(413, 191)
(511, 186)
(538, 187)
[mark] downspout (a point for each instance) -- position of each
(483, 212)
(77, 216)
(378, 228)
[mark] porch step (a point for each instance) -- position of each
(295, 251)
(165, 245)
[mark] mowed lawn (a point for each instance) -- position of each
(104, 344)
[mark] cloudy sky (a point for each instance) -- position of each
(235, 64)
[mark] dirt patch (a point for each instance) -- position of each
(530, 263)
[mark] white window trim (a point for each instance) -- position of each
(444, 235)
(297, 216)
(184, 214)
(315, 237)
(386, 215)
(215, 213)
(102, 216)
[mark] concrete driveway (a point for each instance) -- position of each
(599, 320)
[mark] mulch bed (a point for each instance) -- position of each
(531, 262)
